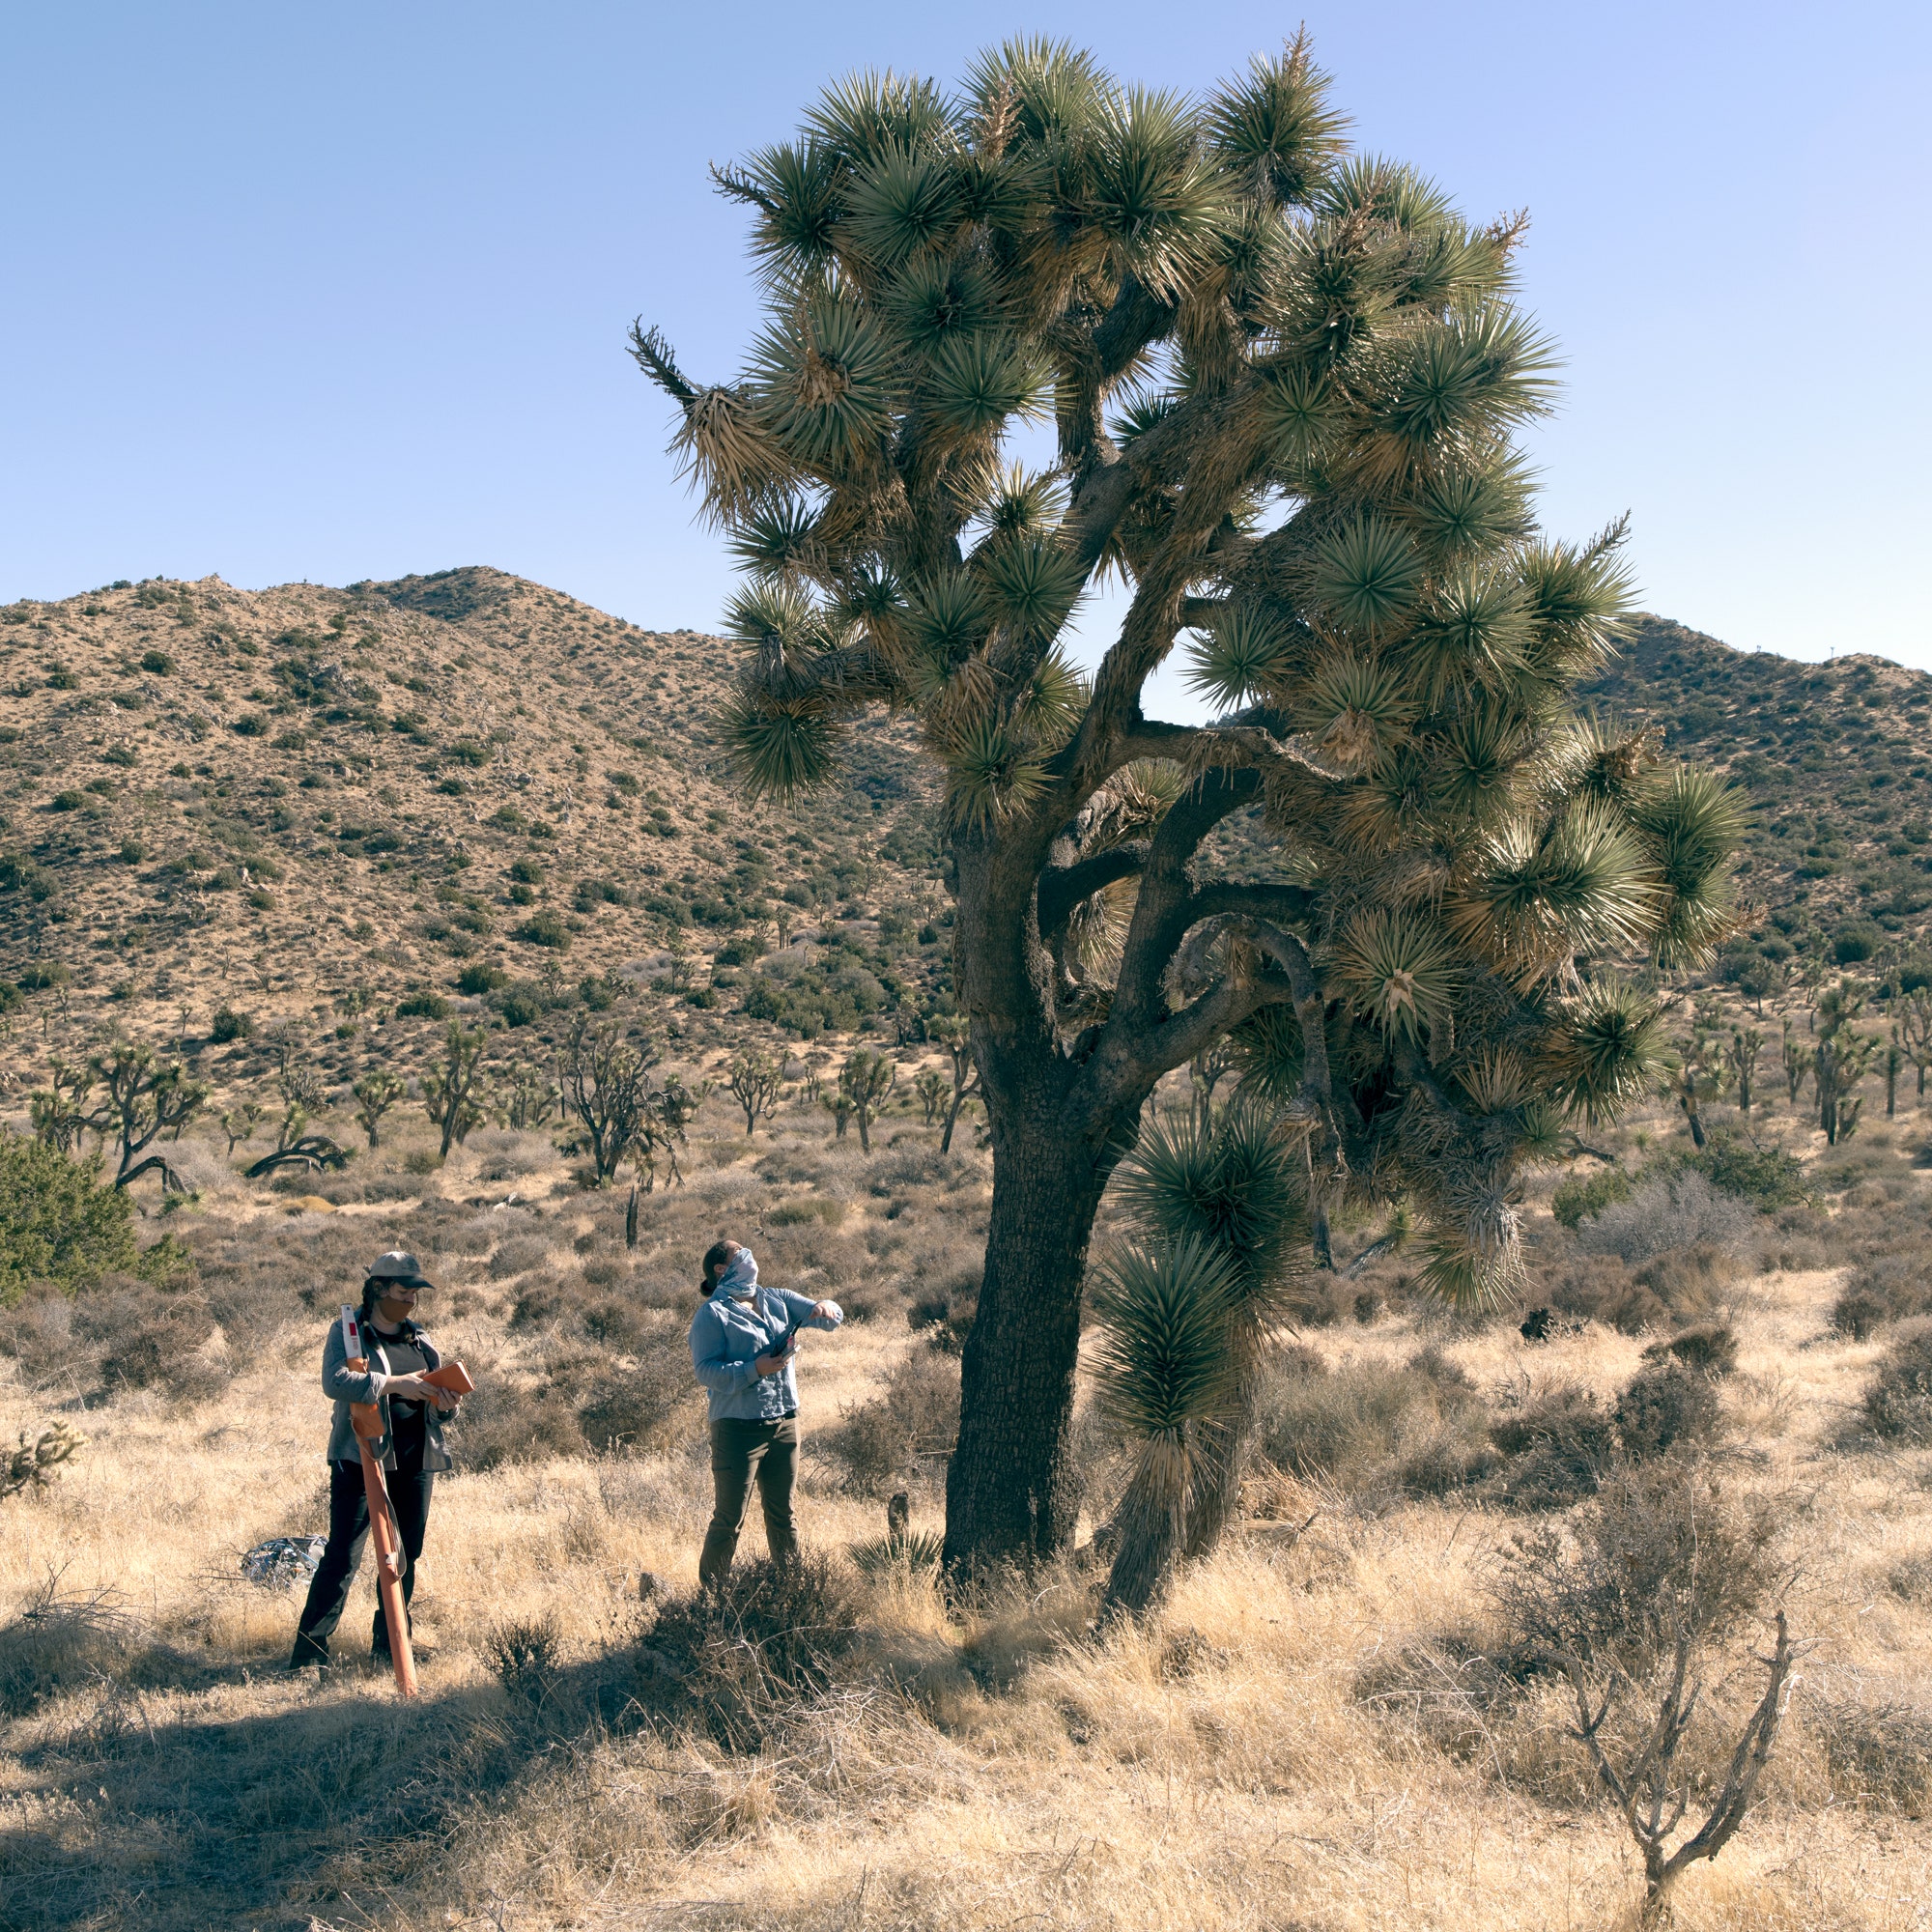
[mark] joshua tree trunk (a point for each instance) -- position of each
(1012, 1487)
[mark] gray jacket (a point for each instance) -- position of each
(343, 1385)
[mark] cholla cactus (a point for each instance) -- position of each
(34, 1463)
(1224, 316)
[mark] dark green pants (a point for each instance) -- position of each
(743, 1453)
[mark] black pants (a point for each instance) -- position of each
(347, 1527)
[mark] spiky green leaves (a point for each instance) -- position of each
(1162, 1366)
(1356, 707)
(1274, 131)
(826, 386)
(1460, 512)
(1152, 191)
(1693, 823)
(903, 205)
(781, 748)
(1398, 969)
(773, 539)
(1031, 584)
(1469, 379)
(1299, 413)
(1368, 575)
(1243, 653)
(1541, 895)
(993, 769)
(1235, 1185)
(1607, 1051)
(941, 300)
(1575, 599)
(1472, 635)
(795, 190)
(975, 383)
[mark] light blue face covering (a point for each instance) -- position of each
(741, 1273)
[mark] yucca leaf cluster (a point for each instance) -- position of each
(1282, 382)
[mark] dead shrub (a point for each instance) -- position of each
(518, 1254)
(1366, 1423)
(1877, 1754)
(640, 1407)
(1890, 1288)
(144, 1337)
(1601, 1288)
(1898, 1401)
(944, 1310)
(907, 1431)
(740, 1657)
(1710, 1346)
(526, 1653)
(510, 1422)
(1660, 1551)
(1450, 1690)
(1679, 1209)
(1558, 1444)
(69, 1644)
(1664, 1405)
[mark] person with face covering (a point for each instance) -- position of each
(743, 1341)
(397, 1351)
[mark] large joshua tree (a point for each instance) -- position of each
(1281, 382)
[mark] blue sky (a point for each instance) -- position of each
(341, 293)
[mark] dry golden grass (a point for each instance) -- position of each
(994, 1765)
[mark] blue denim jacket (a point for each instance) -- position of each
(726, 1336)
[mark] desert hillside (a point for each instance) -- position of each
(331, 805)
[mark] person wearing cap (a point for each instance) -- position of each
(397, 1352)
(744, 1342)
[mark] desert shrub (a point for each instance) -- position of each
(142, 1337)
(66, 1643)
(507, 1422)
(58, 1223)
(1596, 1287)
(740, 1657)
(1581, 1196)
(1898, 1401)
(1662, 1406)
(476, 1235)
(422, 1006)
(228, 1025)
(526, 1653)
(38, 1334)
(1659, 1551)
(805, 1209)
(1767, 1177)
(509, 1154)
(911, 1426)
(642, 1405)
(1557, 1446)
(944, 1310)
(1368, 1422)
(1447, 1690)
(1879, 1753)
(1671, 1210)
(1890, 1288)
(518, 1254)
(1710, 1346)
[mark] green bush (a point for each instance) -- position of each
(1767, 1177)
(228, 1025)
(423, 1006)
(481, 978)
(59, 1224)
(1577, 1198)
(545, 929)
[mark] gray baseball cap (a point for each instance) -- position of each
(398, 1264)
